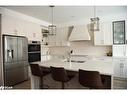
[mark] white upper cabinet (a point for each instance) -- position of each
(104, 36)
(107, 30)
(120, 46)
(98, 38)
(119, 34)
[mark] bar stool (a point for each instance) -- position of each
(90, 79)
(60, 74)
(39, 72)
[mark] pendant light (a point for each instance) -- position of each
(95, 21)
(52, 27)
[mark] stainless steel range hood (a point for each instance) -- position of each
(79, 33)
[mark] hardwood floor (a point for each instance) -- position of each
(118, 83)
(23, 85)
(73, 84)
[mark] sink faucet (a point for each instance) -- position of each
(69, 58)
(71, 51)
(48, 52)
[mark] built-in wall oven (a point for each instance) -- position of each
(34, 51)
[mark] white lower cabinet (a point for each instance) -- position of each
(116, 69)
(120, 68)
(125, 70)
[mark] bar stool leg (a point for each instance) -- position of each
(41, 83)
(62, 85)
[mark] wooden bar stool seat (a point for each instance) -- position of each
(60, 74)
(39, 72)
(90, 79)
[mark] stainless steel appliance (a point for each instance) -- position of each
(15, 56)
(34, 51)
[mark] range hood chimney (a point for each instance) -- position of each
(79, 33)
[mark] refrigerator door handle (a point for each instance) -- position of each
(10, 53)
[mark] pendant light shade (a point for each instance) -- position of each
(52, 27)
(95, 22)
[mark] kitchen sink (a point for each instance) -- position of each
(75, 61)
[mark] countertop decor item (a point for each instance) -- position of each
(109, 53)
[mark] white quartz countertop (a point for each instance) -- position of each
(103, 66)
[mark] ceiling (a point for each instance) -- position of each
(64, 14)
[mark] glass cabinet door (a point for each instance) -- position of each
(119, 32)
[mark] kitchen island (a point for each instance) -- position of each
(105, 67)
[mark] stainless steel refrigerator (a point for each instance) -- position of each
(15, 59)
